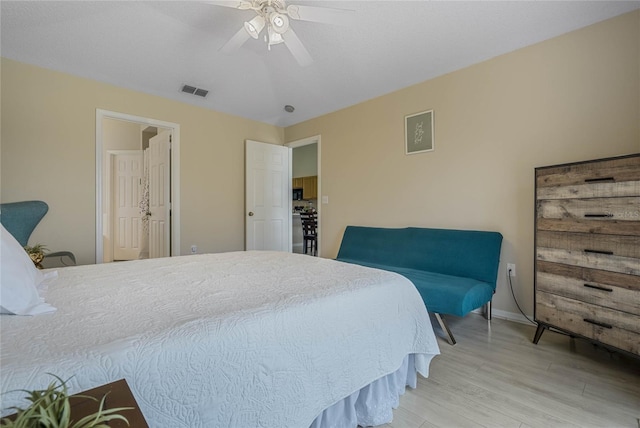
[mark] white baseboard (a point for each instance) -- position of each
(510, 316)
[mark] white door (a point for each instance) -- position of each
(268, 197)
(159, 203)
(127, 219)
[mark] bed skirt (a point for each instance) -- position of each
(372, 405)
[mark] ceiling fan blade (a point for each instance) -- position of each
(237, 4)
(325, 15)
(236, 41)
(297, 49)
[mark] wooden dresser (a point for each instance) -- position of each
(587, 251)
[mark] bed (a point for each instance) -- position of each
(241, 339)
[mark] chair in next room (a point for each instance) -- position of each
(309, 222)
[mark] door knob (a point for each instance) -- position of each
(250, 213)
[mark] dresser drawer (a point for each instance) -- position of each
(625, 265)
(630, 282)
(608, 227)
(591, 190)
(615, 245)
(597, 172)
(601, 209)
(593, 292)
(621, 330)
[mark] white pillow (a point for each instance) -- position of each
(18, 280)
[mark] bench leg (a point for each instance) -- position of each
(487, 310)
(446, 330)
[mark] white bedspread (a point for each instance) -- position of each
(246, 339)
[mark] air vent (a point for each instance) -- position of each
(195, 91)
(201, 92)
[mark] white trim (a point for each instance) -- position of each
(305, 142)
(290, 199)
(175, 175)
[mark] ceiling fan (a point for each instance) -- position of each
(275, 15)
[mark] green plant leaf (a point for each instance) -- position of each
(50, 408)
(96, 420)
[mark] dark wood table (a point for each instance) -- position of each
(119, 395)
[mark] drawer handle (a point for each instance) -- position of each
(597, 180)
(608, 253)
(598, 288)
(604, 215)
(600, 324)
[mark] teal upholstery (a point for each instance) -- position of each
(20, 218)
(455, 271)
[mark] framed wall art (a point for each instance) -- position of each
(418, 132)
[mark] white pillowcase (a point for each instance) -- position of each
(19, 279)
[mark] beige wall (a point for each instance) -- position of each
(121, 135)
(572, 98)
(48, 153)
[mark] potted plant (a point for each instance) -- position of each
(50, 408)
(36, 253)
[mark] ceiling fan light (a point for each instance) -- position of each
(274, 38)
(255, 26)
(279, 22)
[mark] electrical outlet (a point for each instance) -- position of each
(194, 249)
(511, 269)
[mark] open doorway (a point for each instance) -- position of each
(306, 238)
(137, 187)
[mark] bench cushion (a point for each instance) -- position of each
(455, 271)
(443, 294)
(465, 253)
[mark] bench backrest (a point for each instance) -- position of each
(467, 253)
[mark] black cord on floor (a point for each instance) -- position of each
(523, 314)
(516, 300)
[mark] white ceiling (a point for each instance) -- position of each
(157, 46)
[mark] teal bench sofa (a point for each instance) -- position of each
(455, 271)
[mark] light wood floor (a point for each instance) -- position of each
(496, 377)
